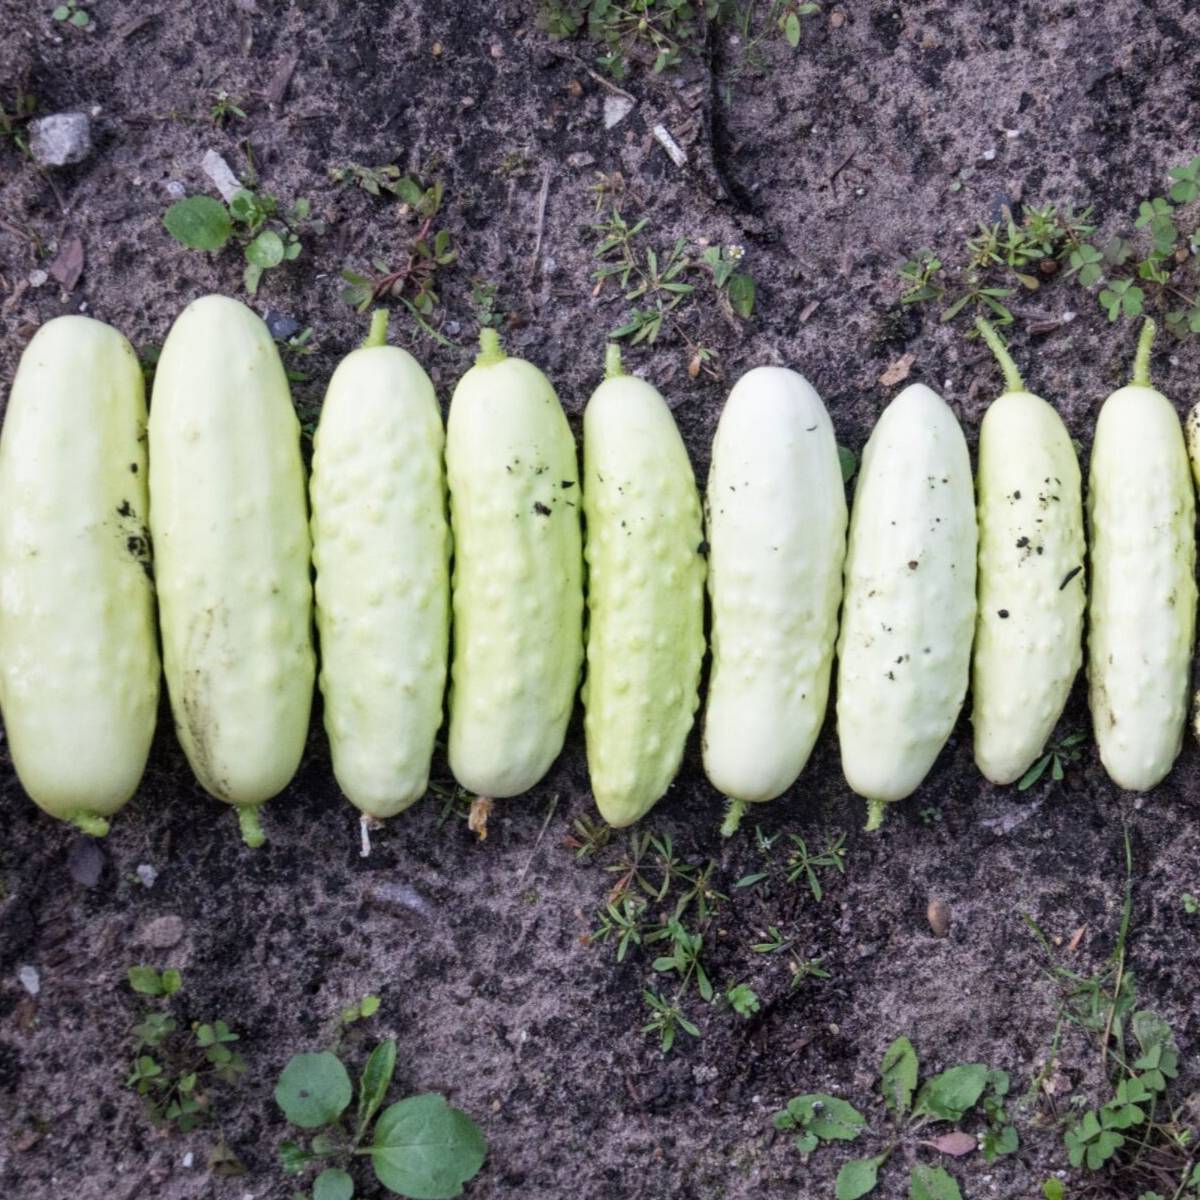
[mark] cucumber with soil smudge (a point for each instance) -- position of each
(228, 514)
(79, 669)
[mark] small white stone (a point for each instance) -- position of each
(188, 1159)
(988, 155)
(1012, 133)
(616, 109)
(146, 874)
(175, 189)
(96, 110)
(30, 980)
(37, 278)
(219, 171)
(60, 139)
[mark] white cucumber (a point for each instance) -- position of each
(1029, 629)
(381, 547)
(1142, 610)
(518, 574)
(776, 512)
(909, 611)
(79, 670)
(228, 513)
(645, 594)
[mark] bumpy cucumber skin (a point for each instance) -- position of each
(79, 670)
(645, 597)
(1029, 629)
(909, 611)
(228, 513)
(381, 546)
(777, 539)
(1141, 616)
(517, 587)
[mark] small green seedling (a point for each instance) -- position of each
(1058, 756)
(743, 999)
(69, 13)
(1191, 905)
(225, 108)
(419, 1147)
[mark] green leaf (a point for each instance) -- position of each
(266, 250)
(370, 1004)
(1053, 1189)
(80, 19)
(172, 981)
(791, 30)
(61, 13)
(858, 1177)
(952, 1093)
(898, 1075)
(376, 1078)
(741, 294)
(251, 277)
(146, 981)
(932, 1183)
(848, 461)
(333, 1184)
(313, 1090)
(831, 1119)
(199, 222)
(426, 1150)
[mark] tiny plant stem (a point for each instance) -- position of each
(875, 811)
(379, 326)
(1141, 360)
(490, 350)
(612, 361)
(1012, 377)
(733, 817)
(91, 824)
(1127, 911)
(252, 832)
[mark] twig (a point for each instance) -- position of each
(545, 825)
(543, 195)
(612, 87)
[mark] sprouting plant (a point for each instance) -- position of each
(919, 276)
(225, 108)
(419, 1147)
(1058, 756)
(803, 864)
(743, 999)
(1191, 905)
(12, 121)
(69, 13)
(735, 285)
(483, 297)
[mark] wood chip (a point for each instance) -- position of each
(898, 371)
(956, 1143)
(477, 822)
(938, 912)
(808, 310)
(67, 266)
(1076, 938)
(281, 79)
(674, 150)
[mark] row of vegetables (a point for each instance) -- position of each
(934, 590)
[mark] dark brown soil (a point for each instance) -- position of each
(829, 165)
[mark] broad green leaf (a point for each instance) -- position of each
(741, 294)
(898, 1075)
(172, 981)
(952, 1093)
(1053, 1189)
(848, 461)
(791, 30)
(333, 1184)
(831, 1119)
(376, 1077)
(313, 1090)
(266, 250)
(426, 1150)
(146, 981)
(858, 1177)
(932, 1183)
(199, 222)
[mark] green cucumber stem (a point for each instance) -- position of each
(91, 824)
(612, 361)
(875, 811)
(1012, 377)
(378, 334)
(252, 831)
(490, 350)
(1141, 360)
(733, 817)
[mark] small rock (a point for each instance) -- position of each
(175, 189)
(60, 139)
(580, 159)
(220, 172)
(85, 861)
(188, 1159)
(940, 917)
(496, 50)
(37, 278)
(280, 325)
(30, 980)
(454, 328)
(146, 874)
(616, 109)
(162, 932)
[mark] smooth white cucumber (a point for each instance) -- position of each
(1029, 629)
(228, 513)
(645, 594)
(79, 670)
(518, 574)
(1142, 612)
(909, 610)
(381, 547)
(776, 510)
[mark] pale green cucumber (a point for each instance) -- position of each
(1031, 587)
(79, 670)
(776, 510)
(645, 594)
(228, 513)
(1142, 610)
(518, 574)
(909, 610)
(381, 547)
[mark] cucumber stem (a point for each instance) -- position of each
(875, 811)
(252, 831)
(1141, 360)
(91, 824)
(379, 325)
(1012, 377)
(612, 361)
(490, 350)
(733, 817)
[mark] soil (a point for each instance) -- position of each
(892, 127)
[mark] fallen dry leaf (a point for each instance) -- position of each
(1076, 938)
(898, 371)
(27, 1141)
(67, 266)
(956, 1143)
(481, 808)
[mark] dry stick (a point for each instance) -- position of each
(543, 195)
(612, 87)
(545, 825)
